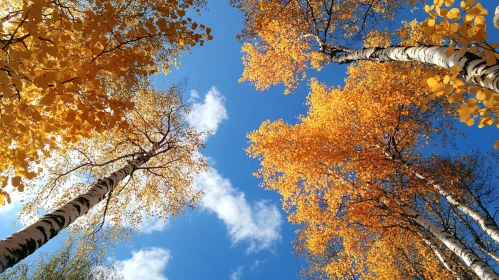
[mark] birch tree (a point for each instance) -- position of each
(66, 264)
(348, 174)
(64, 65)
(283, 40)
(141, 169)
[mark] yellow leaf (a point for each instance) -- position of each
(48, 99)
(454, 14)
(30, 175)
(448, 89)
(488, 104)
(449, 3)
(480, 95)
(472, 102)
(432, 82)
(470, 122)
(41, 81)
(481, 10)
(491, 60)
(468, 3)
(480, 21)
(454, 70)
(3, 197)
(463, 50)
(496, 145)
(449, 51)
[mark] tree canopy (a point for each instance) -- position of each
(353, 176)
(71, 68)
(283, 40)
(66, 263)
(100, 150)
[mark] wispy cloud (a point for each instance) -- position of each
(256, 264)
(153, 224)
(257, 224)
(206, 115)
(237, 273)
(145, 264)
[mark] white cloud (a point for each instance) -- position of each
(145, 264)
(208, 114)
(256, 264)
(149, 225)
(258, 225)
(237, 273)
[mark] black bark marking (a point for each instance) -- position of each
(42, 230)
(77, 207)
(83, 201)
(51, 224)
(56, 218)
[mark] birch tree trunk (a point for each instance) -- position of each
(488, 226)
(472, 66)
(482, 270)
(23, 243)
(441, 257)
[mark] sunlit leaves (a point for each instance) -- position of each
(69, 69)
(160, 189)
(326, 167)
(290, 34)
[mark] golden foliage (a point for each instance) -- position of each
(333, 171)
(285, 39)
(464, 29)
(289, 35)
(70, 68)
(160, 189)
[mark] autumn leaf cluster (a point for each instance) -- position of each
(69, 69)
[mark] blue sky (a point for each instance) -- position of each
(239, 230)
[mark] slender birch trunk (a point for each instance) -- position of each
(488, 226)
(441, 257)
(481, 269)
(485, 224)
(23, 243)
(472, 66)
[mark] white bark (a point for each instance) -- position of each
(496, 18)
(488, 226)
(472, 66)
(26, 241)
(491, 254)
(481, 269)
(441, 257)
(485, 224)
